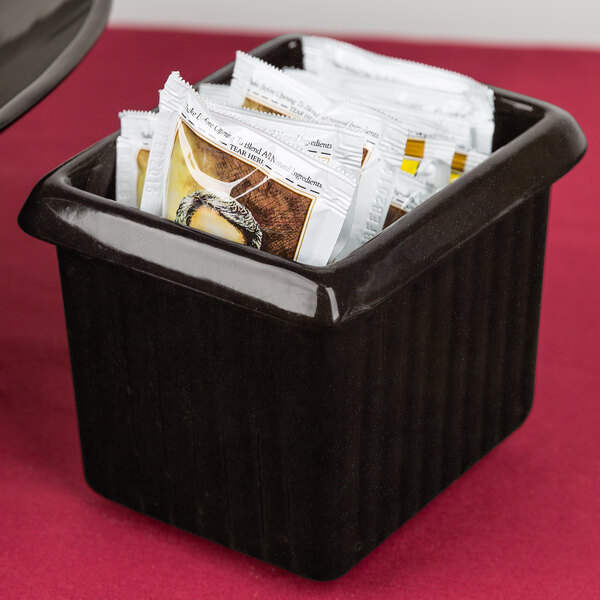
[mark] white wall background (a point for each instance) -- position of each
(530, 22)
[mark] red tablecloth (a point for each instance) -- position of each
(523, 523)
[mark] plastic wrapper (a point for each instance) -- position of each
(336, 146)
(390, 132)
(434, 113)
(385, 193)
(257, 85)
(133, 149)
(323, 55)
(217, 174)
(215, 92)
(427, 159)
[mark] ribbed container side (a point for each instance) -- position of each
(213, 418)
(305, 448)
(457, 368)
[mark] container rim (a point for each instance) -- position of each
(60, 212)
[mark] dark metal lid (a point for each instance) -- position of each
(41, 42)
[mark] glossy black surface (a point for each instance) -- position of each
(41, 41)
(535, 143)
(302, 414)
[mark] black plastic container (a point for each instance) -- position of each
(294, 413)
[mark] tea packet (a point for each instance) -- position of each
(429, 138)
(431, 149)
(385, 193)
(432, 112)
(222, 176)
(333, 145)
(260, 86)
(367, 122)
(255, 83)
(407, 193)
(323, 55)
(133, 149)
(388, 134)
(428, 100)
(215, 92)
(428, 160)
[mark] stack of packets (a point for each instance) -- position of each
(305, 164)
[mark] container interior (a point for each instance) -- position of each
(93, 171)
(96, 174)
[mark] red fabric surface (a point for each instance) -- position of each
(522, 523)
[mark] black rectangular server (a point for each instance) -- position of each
(301, 414)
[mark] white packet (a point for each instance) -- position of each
(320, 54)
(384, 188)
(407, 193)
(219, 175)
(426, 100)
(260, 86)
(133, 148)
(429, 144)
(475, 129)
(383, 139)
(215, 92)
(363, 120)
(333, 145)
(426, 157)
(263, 88)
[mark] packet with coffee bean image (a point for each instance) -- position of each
(133, 148)
(371, 127)
(222, 176)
